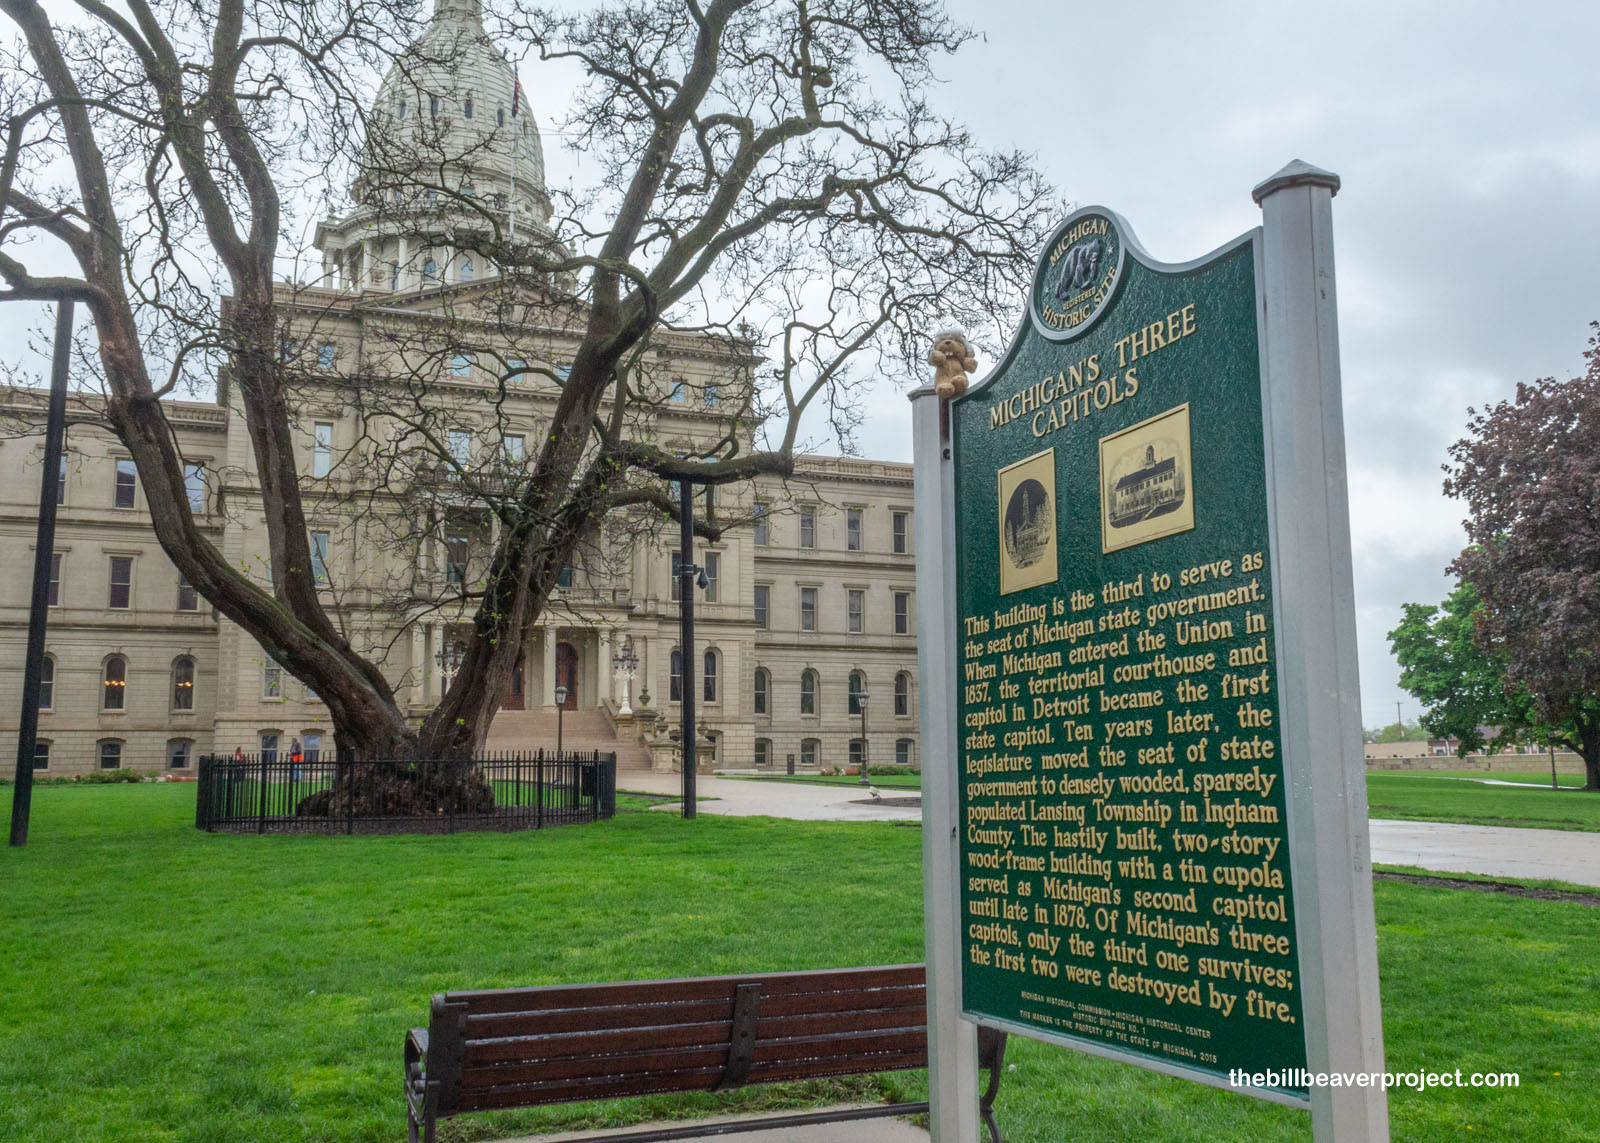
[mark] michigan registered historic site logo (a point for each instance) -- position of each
(1078, 275)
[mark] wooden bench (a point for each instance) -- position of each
(526, 1047)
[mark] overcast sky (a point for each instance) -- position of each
(1467, 230)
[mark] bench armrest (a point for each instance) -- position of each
(416, 1056)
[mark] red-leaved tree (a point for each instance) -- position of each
(1529, 472)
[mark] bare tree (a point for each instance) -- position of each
(772, 182)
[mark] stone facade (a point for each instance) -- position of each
(817, 591)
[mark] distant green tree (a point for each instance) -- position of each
(1394, 732)
(1445, 666)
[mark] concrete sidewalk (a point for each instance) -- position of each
(1445, 847)
(855, 1131)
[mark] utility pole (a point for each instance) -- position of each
(1399, 722)
(44, 549)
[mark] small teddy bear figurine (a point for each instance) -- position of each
(952, 361)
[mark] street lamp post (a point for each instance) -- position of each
(561, 706)
(44, 549)
(861, 705)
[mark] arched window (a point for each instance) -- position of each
(466, 108)
(402, 109)
(114, 683)
(810, 749)
(183, 684)
(763, 752)
(902, 694)
(858, 687)
(47, 683)
(710, 688)
(902, 752)
(763, 681)
(675, 678)
(808, 692)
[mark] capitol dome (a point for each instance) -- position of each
(449, 114)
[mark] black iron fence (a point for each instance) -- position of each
(276, 794)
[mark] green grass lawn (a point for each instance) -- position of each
(161, 984)
(1423, 797)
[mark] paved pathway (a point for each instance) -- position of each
(1490, 851)
(857, 1131)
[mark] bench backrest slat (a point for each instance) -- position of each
(526, 1047)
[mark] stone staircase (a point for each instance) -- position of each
(526, 730)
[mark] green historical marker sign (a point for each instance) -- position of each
(1126, 883)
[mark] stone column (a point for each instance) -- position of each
(549, 688)
(607, 673)
(419, 664)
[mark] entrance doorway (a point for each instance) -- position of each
(513, 699)
(567, 673)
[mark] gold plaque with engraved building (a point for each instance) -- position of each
(1146, 490)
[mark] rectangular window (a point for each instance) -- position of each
(679, 392)
(564, 577)
(808, 752)
(763, 600)
(313, 750)
(194, 485)
(319, 557)
(711, 395)
(713, 568)
(856, 601)
(325, 355)
(902, 613)
(456, 552)
(111, 756)
(55, 579)
(856, 751)
(677, 576)
(514, 449)
(269, 748)
(460, 447)
(272, 681)
(188, 598)
(808, 609)
(852, 529)
(41, 755)
(461, 365)
(47, 683)
(808, 527)
(902, 752)
(900, 538)
(322, 449)
(121, 582)
(127, 480)
(61, 483)
(178, 754)
(760, 519)
(763, 752)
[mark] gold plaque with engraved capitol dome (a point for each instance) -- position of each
(1028, 522)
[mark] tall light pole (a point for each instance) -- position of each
(688, 576)
(561, 706)
(43, 550)
(861, 705)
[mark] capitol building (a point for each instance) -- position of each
(805, 630)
